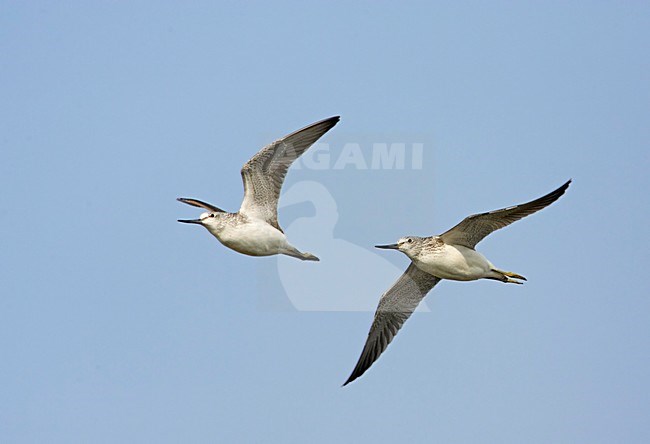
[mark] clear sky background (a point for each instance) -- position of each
(118, 324)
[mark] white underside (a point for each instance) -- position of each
(254, 238)
(455, 262)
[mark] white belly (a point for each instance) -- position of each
(456, 263)
(254, 238)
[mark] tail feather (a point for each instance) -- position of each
(508, 277)
(309, 257)
(294, 252)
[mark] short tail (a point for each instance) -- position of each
(309, 257)
(294, 252)
(507, 276)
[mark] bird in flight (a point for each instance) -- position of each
(450, 255)
(254, 229)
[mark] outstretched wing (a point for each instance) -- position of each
(395, 307)
(264, 173)
(474, 228)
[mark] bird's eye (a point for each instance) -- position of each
(409, 240)
(211, 214)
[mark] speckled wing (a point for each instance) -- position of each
(395, 307)
(474, 228)
(264, 173)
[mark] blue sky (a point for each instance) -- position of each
(117, 324)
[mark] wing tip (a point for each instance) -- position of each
(561, 190)
(353, 376)
(330, 121)
(361, 367)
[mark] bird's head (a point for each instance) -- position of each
(204, 219)
(409, 245)
(208, 218)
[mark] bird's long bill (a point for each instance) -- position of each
(200, 204)
(388, 247)
(190, 221)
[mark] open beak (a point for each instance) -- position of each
(388, 247)
(200, 204)
(190, 221)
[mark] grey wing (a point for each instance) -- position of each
(395, 307)
(264, 173)
(474, 228)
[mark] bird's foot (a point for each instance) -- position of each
(309, 257)
(510, 274)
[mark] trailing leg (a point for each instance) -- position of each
(294, 252)
(506, 276)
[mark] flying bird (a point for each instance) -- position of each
(450, 255)
(254, 229)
